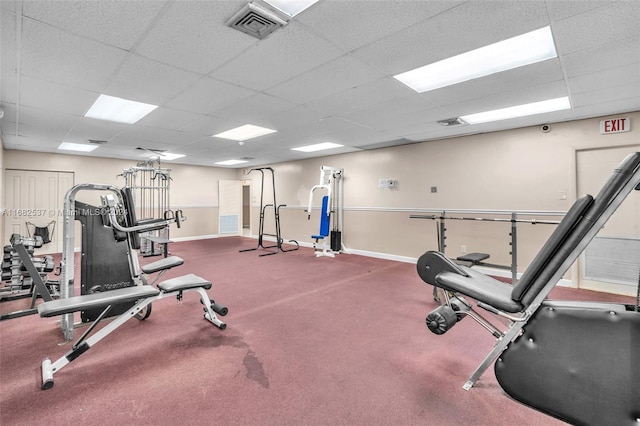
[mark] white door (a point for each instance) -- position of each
(36, 198)
(229, 208)
(611, 262)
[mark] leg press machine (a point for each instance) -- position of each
(577, 361)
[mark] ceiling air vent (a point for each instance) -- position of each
(451, 122)
(256, 21)
(96, 141)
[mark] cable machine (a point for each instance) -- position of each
(330, 181)
(150, 186)
(276, 207)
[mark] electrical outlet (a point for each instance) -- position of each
(463, 249)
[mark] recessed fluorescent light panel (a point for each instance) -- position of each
(243, 133)
(515, 52)
(291, 7)
(317, 147)
(168, 156)
(68, 146)
(119, 110)
(230, 162)
(550, 105)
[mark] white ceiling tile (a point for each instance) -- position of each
(602, 57)
(45, 94)
(561, 9)
(143, 80)
(509, 98)
(333, 77)
(512, 80)
(100, 20)
(169, 118)
(205, 126)
(255, 108)
(155, 135)
(50, 54)
(460, 29)
(297, 117)
(90, 128)
(8, 5)
(608, 108)
(284, 54)
(359, 97)
(395, 122)
(356, 136)
(45, 125)
(208, 95)
(9, 111)
(373, 20)
(192, 35)
(8, 64)
(383, 110)
(66, 52)
(629, 74)
(607, 24)
(607, 94)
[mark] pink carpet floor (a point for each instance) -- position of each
(310, 341)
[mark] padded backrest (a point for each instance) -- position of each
(571, 231)
(129, 206)
(559, 236)
(324, 217)
(130, 215)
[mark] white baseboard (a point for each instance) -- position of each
(405, 259)
(199, 237)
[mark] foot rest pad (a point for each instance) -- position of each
(184, 282)
(162, 264)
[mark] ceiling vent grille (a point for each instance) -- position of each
(451, 122)
(256, 21)
(96, 141)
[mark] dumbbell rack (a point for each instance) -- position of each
(26, 276)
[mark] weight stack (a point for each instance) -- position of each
(336, 240)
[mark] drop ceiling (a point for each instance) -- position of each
(326, 76)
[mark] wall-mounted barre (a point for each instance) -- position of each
(442, 216)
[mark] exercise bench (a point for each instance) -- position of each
(141, 295)
(576, 361)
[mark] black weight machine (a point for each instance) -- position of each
(276, 207)
(577, 361)
(116, 285)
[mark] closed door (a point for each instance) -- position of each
(229, 207)
(612, 261)
(35, 199)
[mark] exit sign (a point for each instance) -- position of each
(615, 125)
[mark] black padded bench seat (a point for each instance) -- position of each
(480, 287)
(95, 300)
(184, 282)
(473, 258)
(162, 264)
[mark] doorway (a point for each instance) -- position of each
(611, 262)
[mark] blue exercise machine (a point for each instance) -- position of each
(331, 182)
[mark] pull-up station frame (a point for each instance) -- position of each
(276, 207)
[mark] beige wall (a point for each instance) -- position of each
(194, 189)
(522, 169)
